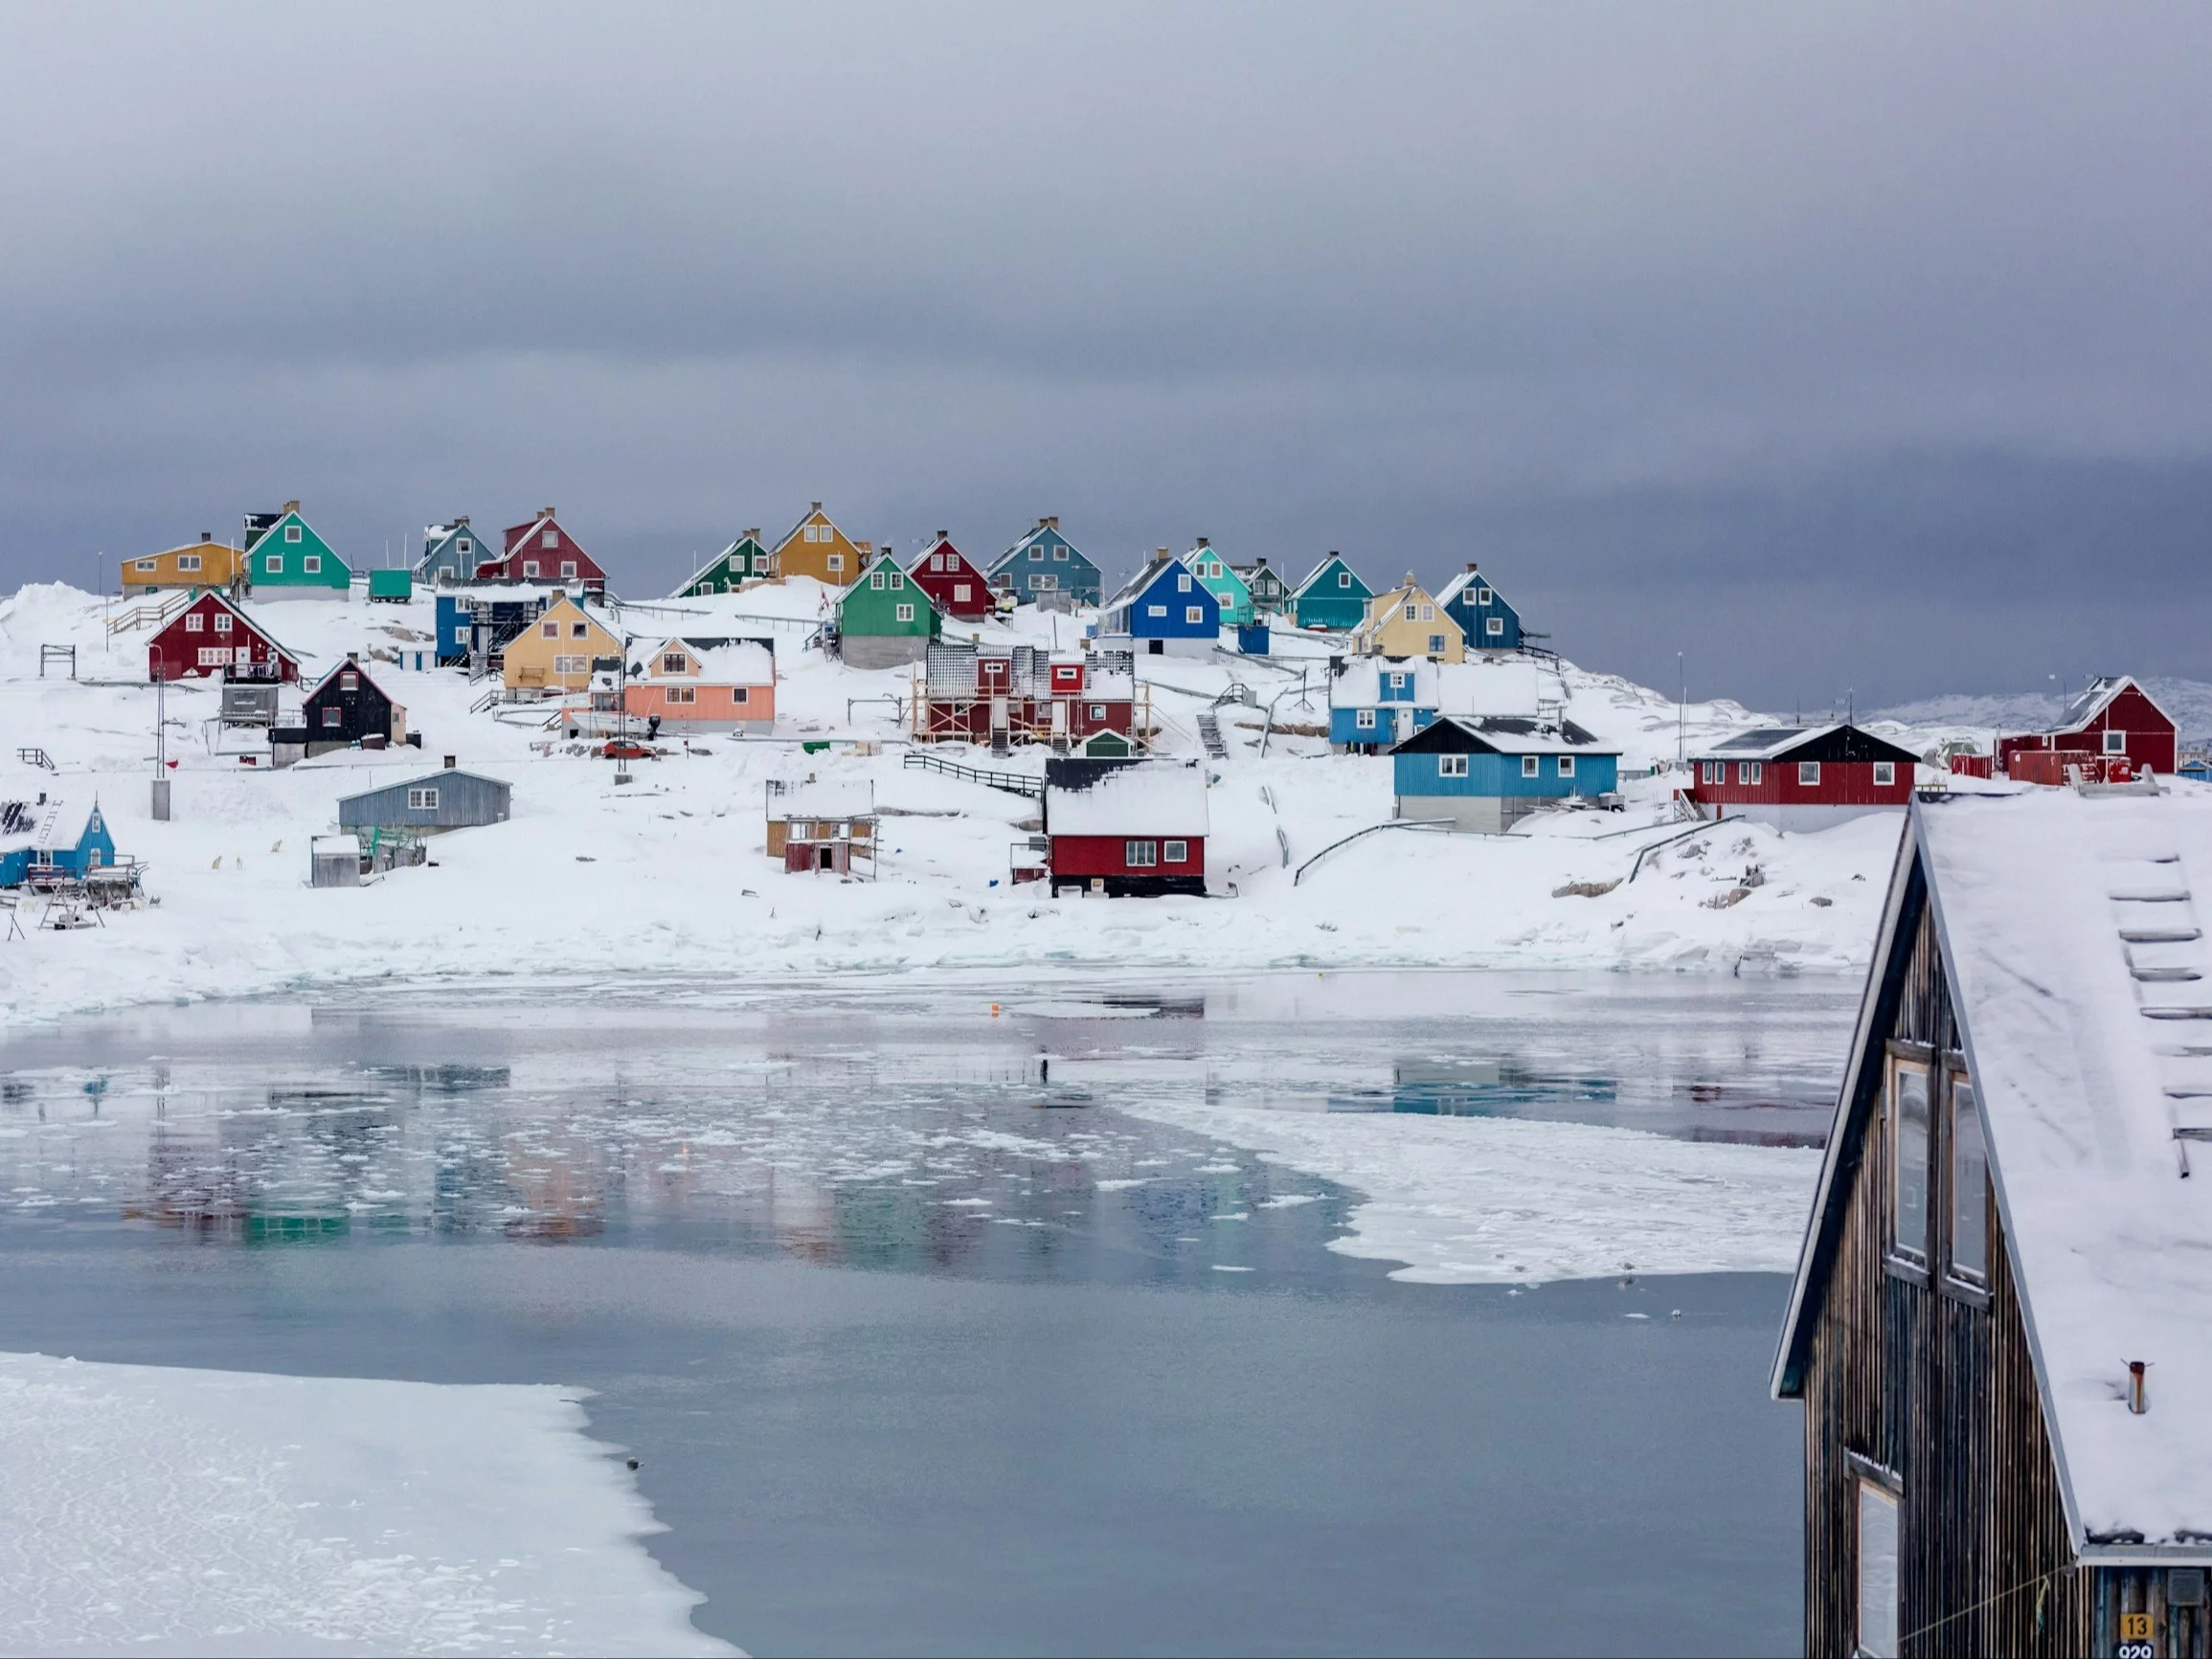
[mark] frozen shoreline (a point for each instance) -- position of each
(159, 1509)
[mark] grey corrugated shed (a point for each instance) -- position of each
(465, 800)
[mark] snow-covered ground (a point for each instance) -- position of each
(668, 872)
(2188, 701)
(153, 1510)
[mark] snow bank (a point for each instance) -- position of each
(163, 1511)
(1504, 1201)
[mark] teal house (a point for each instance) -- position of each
(1486, 773)
(285, 559)
(449, 554)
(744, 560)
(1333, 597)
(1223, 581)
(31, 844)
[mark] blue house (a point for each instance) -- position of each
(1044, 568)
(1482, 612)
(1332, 596)
(1486, 773)
(1377, 701)
(473, 627)
(31, 842)
(1164, 611)
(450, 554)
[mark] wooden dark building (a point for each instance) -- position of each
(2001, 1323)
(348, 707)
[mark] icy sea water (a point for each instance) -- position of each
(923, 1345)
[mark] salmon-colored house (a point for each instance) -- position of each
(716, 682)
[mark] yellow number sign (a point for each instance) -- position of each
(2135, 1627)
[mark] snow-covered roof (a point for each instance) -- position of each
(1314, 574)
(1148, 798)
(825, 798)
(2093, 702)
(720, 662)
(1506, 734)
(1134, 588)
(1765, 742)
(2071, 933)
(1470, 577)
(1509, 688)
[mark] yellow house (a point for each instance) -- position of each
(556, 653)
(202, 564)
(817, 548)
(1407, 621)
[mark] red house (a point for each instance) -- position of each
(213, 637)
(977, 693)
(955, 587)
(1802, 778)
(542, 551)
(1125, 828)
(2114, 716)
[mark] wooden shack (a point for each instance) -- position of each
(2000, 1322)
(823, 826)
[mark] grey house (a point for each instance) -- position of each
(445, 799)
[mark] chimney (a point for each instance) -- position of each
(353, 656)
(462, 520)
(1162, 552)
(1471, 566)
(1050, 524)
(452, 762)
(1204, 543)
(863, 549)
(545, 512)
(2138, 1400)
(291, 506)
(1259, 562)
(754, 534)
(817, 506)
(944, 537)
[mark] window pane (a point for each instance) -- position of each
(1877, 1571)
(1908, 1144)
(1969, 1186)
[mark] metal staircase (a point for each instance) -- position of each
(1209, 735)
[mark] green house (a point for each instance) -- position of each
(744, 560)
(286, 559)
(883, 618)
(1223, 581)
(1332, 598)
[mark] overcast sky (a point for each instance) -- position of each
(1833, 346)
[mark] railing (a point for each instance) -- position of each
(1397, 824)
(140, 615)
(1637, 869)
(36, 757)
(1021, 783)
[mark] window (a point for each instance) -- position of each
(1877, 1571)
(875, 580)
(1969, 1186)
(906, 613)
(550, 630)
(1397, 681)
(737, 694)
(1194, 615)
(1436, 644)
(1451, 766)
(1493, 626)
(1482, 595)
(422, 799)
(462, 546)
(1749, 771)
(572, 664)
(2116, 743)
(835, 561)
(461, 634)
(1060, 553)
(273, 565)
(312, 562)
(214, 655)
(1706, 768)
(333, 717)
(184, 562)
(348, 681)
(292, 532)
(1884, 774)
(808, 533)
(1175, 853)
(1037, 554)
(568, 570)
(1043, 582)
(674, 662)
(1908, 1161)
(149, 564)
(1808, 774)
(894, 581)
(579, 630)
(529, 567)
(223, 620)
(1530, 765)
(682, 694)
(196, 623)
(1365, 720)
(1567, 766)
(1343, 579)
(1427, 613)
(1098, 710)
(1140, 855)
(548, 539)
(959, 592)
(1155, 610)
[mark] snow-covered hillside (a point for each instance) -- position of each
(667, 874)
(2188, 701)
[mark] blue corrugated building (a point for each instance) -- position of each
(1164, 605)
(1377, 701)
(31, 844)
(1486, 774)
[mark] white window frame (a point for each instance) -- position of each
(875, 580)
(1140, 855)
(214, 655)
(1567, 766)
(1875, 1621)
(184, 562)
(311, 564)
(1494, 625)
(1451, 766)
(1750, 770)
(1181, 583)
(1098, 711)
(579, 630)
(549, 630)
(223, 621)
(1059, 553)
(961, 592)
(1968, 1155)
(568, 570)
(549, 539)
(1482, 597)
(1343, 579)
(1194, 615)
(273, 564)
(1175, 852)
(333, 717)
(1155, 610)
(1900, 1248)
(464, 545)
(1884, 774)
(904, 613)
(292, 533)
(422, 801)
(529, 567)
(1363, 718)
(680, 693)
(2116, 743)
(1531, 766)
(835, 563)
(1808, 774)
(144, 565)
(196, 623)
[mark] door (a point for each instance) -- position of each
(1403, 724)
(998, 714)
(827, 858)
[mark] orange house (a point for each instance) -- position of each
(202, 564)
(716, 682)
(817, 548)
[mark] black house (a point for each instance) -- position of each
(348, 707)
(2001, 1324)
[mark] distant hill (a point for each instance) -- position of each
(2188, 701)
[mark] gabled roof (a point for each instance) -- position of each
(720, 661)
(2085, 1048)
(1837, 742)
(428, 777)
(1137, 798)
(1471, 579)
(1155, 568)
(1499, 734)
(2094, 701)
(1329, 563)
(211, 596)
(1051, 531)
(805, 519)
(516, 532)
(941, 543)
(355, 666)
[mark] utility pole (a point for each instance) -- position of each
(161, 750)
(1681, 706)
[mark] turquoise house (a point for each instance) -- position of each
(29, 842)
(1485, 774)
(1332, 596)
(1224, 582)
(285, 559)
